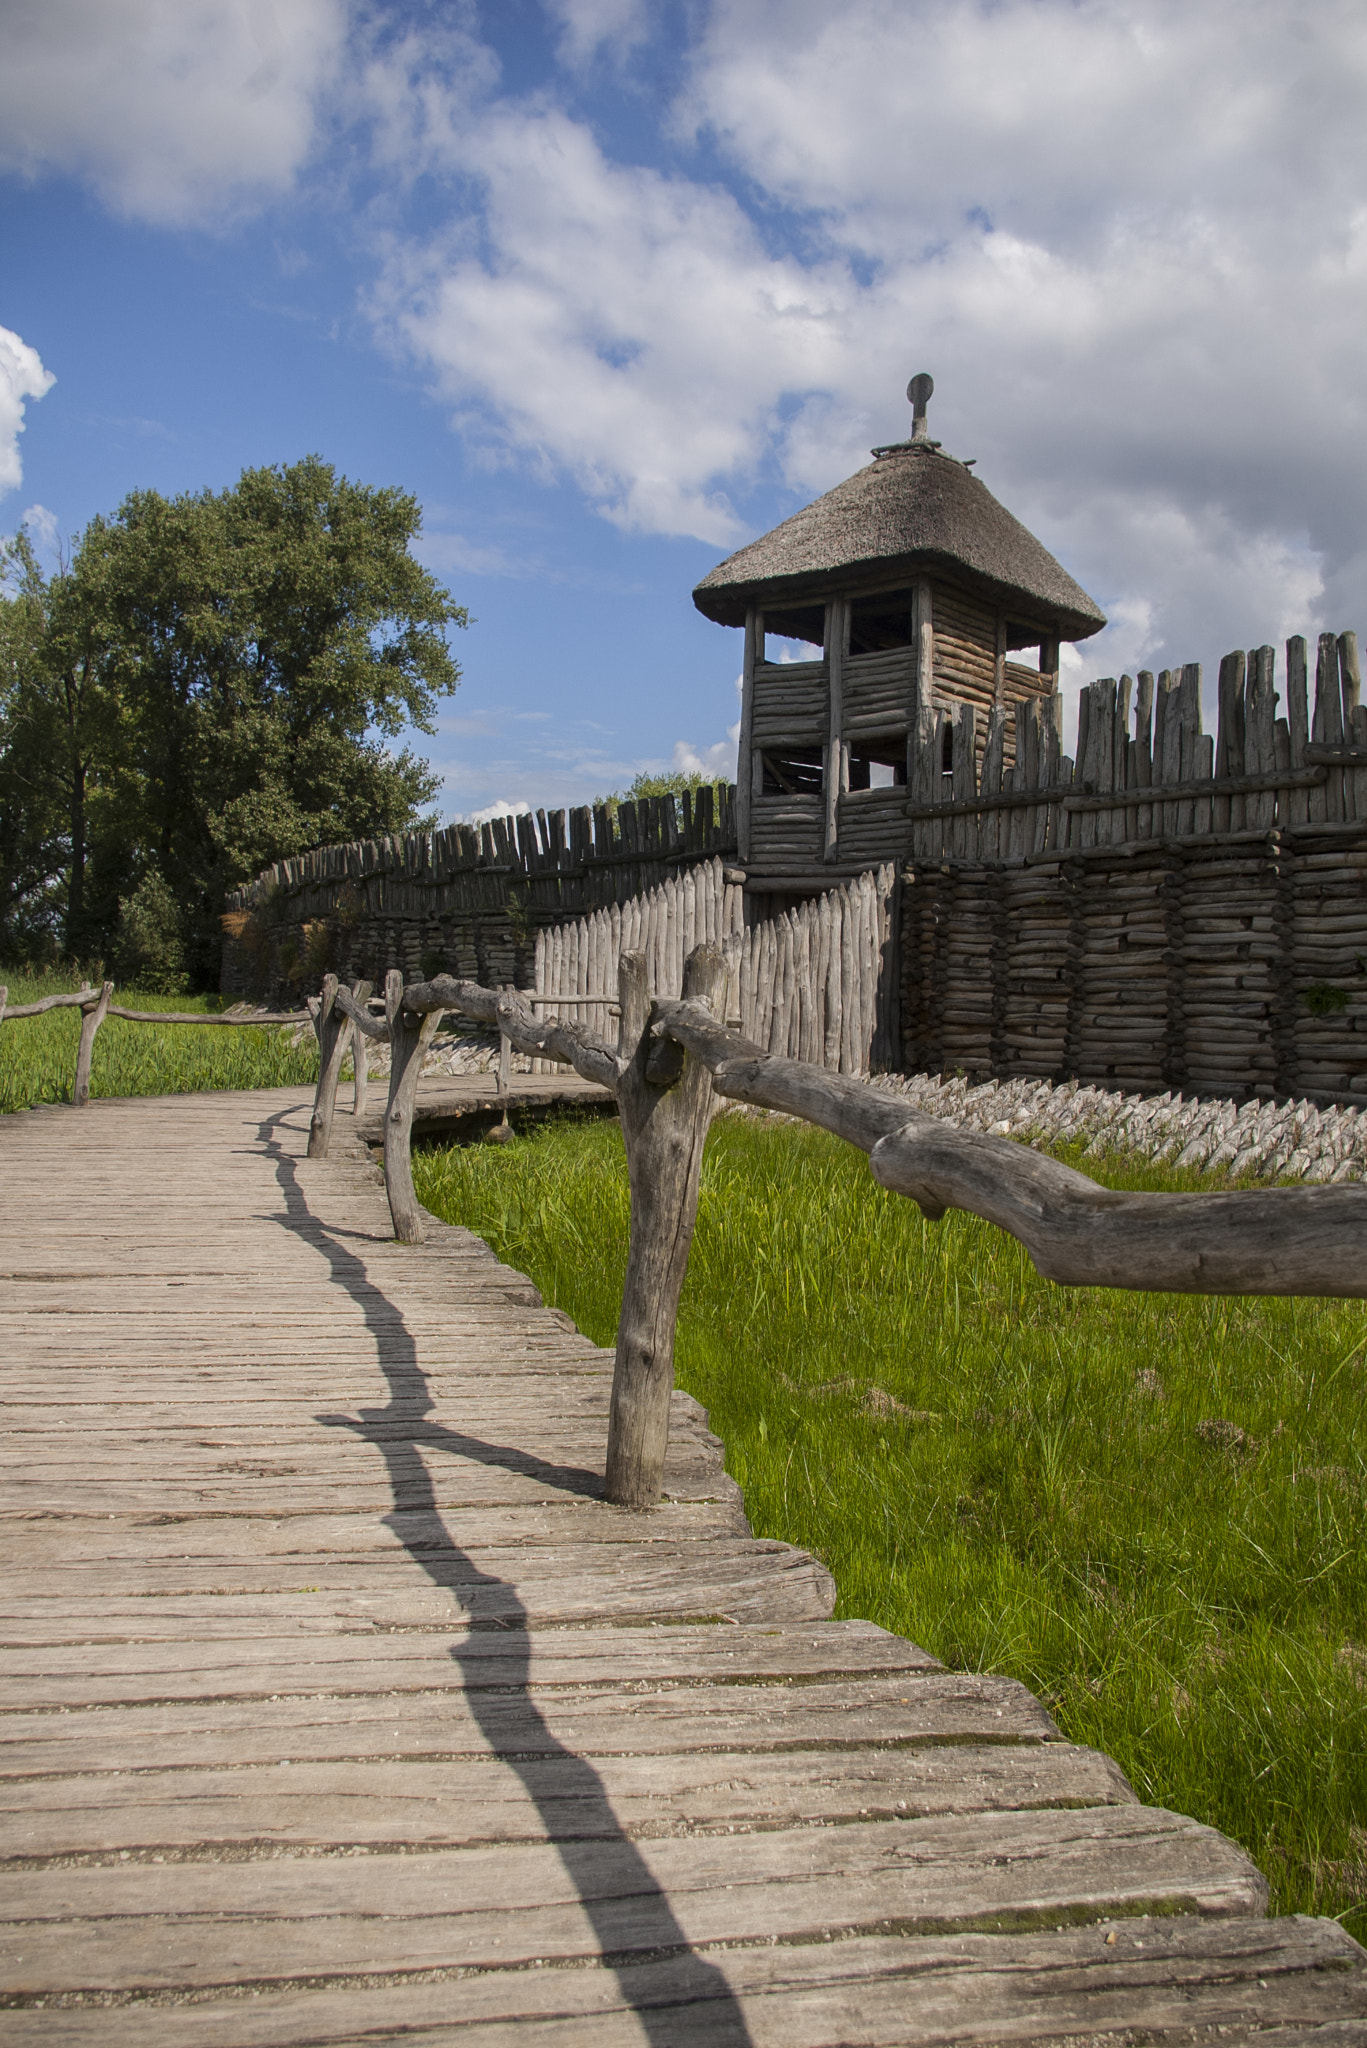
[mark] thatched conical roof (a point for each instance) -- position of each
(913, 511)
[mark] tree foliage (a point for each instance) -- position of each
(211, 683)
(670, 782)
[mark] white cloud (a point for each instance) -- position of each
(501, 807)
(715, 762)
(588, 26)
(44, 531)
(174, 110)
(22, 376)
(624, 326)
(1128, 237)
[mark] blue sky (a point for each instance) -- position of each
(612, 286)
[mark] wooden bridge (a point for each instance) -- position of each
(341, 1707)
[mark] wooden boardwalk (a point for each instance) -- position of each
(340, 1708)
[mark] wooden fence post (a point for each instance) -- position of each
(4, 997)
(409, 1038)
(665, 1098)
(333, 1030)
(501, 1133)
(360, 990)
(92, 1016)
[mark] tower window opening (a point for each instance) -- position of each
(794, 635)
(878, 763)
(881, 622)
(792, 771)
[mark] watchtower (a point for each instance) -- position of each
(914, 587)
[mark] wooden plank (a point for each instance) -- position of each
(146, 1925)
(1285, 1981)
(717, 1577)
(444, 1802)
(440, 1720)
(546, 1657)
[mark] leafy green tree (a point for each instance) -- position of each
(672, 782)
(227, 673)
(147, 943)
(31, 849)
(60, 752)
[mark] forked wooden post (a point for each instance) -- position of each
(332, 1029)
(409, 1037)
(92, 1016)
(665, 1099)
(336, 1031)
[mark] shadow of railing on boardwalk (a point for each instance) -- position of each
(630, 1915)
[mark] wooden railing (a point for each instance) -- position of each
(94, 1005)
(674, 1057)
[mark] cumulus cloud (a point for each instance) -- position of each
(716, 763)
(44, 531)
(174, 110)
(613, 322)
(588, 27)
(501, 807)
(22, 376)
(1128, 237)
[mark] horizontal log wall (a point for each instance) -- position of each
(1166, 909)
(1230, 965)
(468, 900)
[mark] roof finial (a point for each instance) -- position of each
(918, 391)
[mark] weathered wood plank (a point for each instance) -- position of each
(440, 1720)
(542, 1658)
(148, 1925)
(721, 1577)
(445, 1802)
(1175, 1979)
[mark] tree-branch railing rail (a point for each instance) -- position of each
(674, 1058)
(95, 1005)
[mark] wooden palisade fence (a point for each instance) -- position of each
(94, 1005)
(814, 982)
(672, 1057)
(1169, 910)
(478, 895)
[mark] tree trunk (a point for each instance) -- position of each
(75, 892)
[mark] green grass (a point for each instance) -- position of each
(1194, 1607)
(38, 1054)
